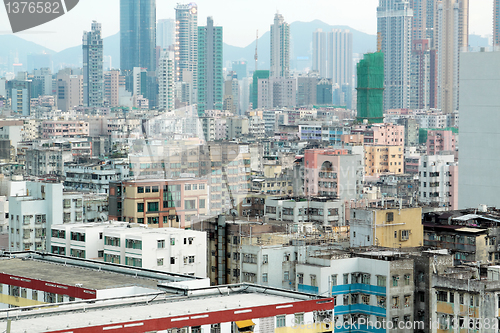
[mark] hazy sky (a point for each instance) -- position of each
(240, 18)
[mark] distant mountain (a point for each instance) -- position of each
(72, 57)
(15, 50)
(301, 45)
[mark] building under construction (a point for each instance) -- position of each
(370, 88)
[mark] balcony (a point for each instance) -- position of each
(360, 308)
(358, 288)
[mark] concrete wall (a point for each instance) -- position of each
(479, 130)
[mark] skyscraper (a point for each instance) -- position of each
(339, 57)
(370, 89)
(423, 75)
(280, 47)
(186, 48)
(319, 52)
(166, 81)
(93, 81)
(450, 39)
(165, 33)
(137, 36)
(394, 24)
(210, 77)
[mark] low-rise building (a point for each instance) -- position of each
(333, 173)
(93, 177)
(34, 279)
(325, 211)
(440, 142)
(439, 181)
(395, 227)
(384, 159)
(224, 309)
(166, 249)
(64, 128)
(159, 202)
(375, 287)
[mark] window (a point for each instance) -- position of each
(202, 203)
(153, 220)
(172, 260)
(161, 244)
(333, 279)
(135, 262)
(111, 241)
(153, 206)
(189, 204)
(299, 318)
(264, 277)
(395, 280)
(407, 279)
(346, 278)
(140, 207)
(300, 277)
(381, 281)
(155, 189)
(442, 296)
(265, 258)
(133, 244)
(286, 275)
(381, 301)
(365, 279)
(159, 262)
(395, 302)
(313, 280)
(389, 217)
(187, 187)
(461, 299)
(188, 260)
(421, 296)
(148, 189)
(280, 321)
(172, 241)
(140, 189)
(407, 301)
(365, 299)
(452, 297)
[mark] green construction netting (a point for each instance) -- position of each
(370, 71)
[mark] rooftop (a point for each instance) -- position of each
(206, 304)
(90, 274)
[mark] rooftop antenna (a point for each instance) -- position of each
(256, 57)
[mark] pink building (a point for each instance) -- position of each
(438, 141)
(333, 173)
(65, 129)
(381, 134)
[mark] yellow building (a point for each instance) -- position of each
(384, 159)
(386, 227)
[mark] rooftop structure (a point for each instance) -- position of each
(222, 307)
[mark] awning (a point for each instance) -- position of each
(245, 323)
